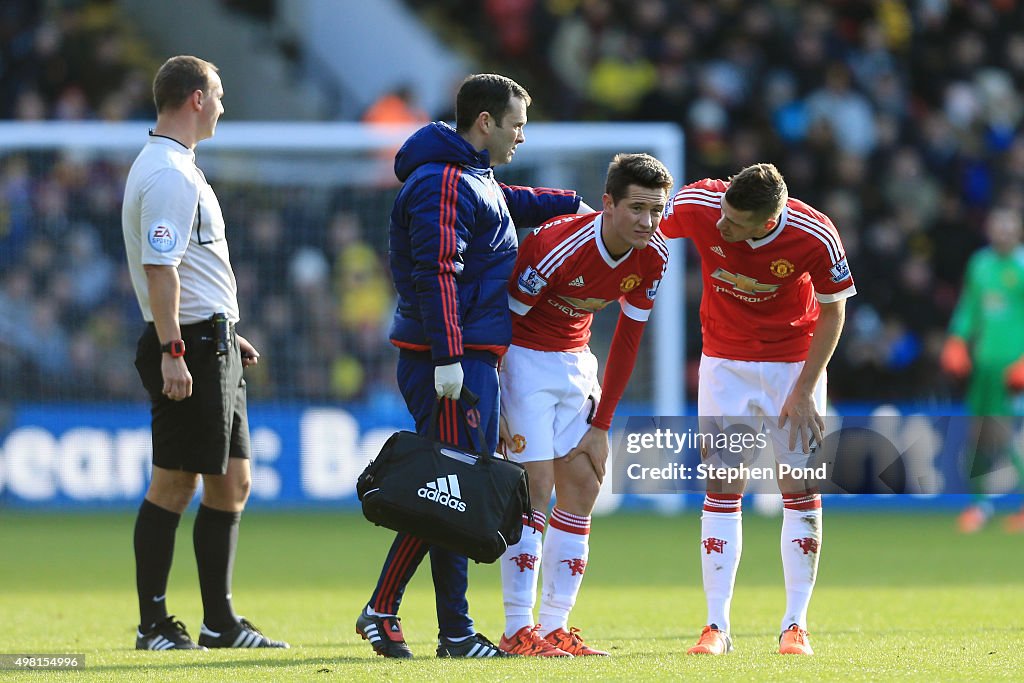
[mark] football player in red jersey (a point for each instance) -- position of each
(555, 418)
(776, 282)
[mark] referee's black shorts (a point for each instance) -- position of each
(200, 433)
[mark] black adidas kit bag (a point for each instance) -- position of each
(470, 503)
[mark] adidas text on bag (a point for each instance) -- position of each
(470, 503)
(445, 490)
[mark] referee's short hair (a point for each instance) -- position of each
(178, 78)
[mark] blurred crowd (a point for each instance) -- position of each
(900, 120)
(313, 289)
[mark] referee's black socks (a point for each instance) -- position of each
(215, 537)
(154, 551)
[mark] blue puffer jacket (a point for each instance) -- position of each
(453, 244)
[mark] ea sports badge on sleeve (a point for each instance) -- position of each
(162, 237)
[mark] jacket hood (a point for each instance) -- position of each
(437, 142)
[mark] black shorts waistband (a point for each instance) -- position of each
(200, 326)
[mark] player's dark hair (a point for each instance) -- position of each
(636, 169)
(178, 78)
(760, 189)
(489, 93)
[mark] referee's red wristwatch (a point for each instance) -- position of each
(175, 347)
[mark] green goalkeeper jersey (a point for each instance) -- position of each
(990, 317)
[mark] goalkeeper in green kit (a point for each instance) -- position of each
(986, 342)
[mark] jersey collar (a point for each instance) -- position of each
(601, 249)
(172, 143)
(771, 237)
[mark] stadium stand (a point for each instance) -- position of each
(906, 167)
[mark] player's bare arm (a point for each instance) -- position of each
(164, 293)
(798, 410)
(593, 444)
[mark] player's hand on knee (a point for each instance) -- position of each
(805, 424)
(594, 445)
(448, 381)
(177, 379)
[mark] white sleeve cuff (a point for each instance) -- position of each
(638, 314)
(517, 306)
(838, 296)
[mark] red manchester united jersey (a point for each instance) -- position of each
(564, 275)
(761, 297)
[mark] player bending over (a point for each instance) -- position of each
(775, 288)
(557, 423)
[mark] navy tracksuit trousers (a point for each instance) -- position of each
(449, 570)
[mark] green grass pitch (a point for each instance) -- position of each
(899, 597)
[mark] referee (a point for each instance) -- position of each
(190, 361)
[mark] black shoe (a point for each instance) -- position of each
(476, 645)
(166, 635)
(385, 635)
(243, 635)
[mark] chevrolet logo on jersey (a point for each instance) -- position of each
(592, 304)
(743, 283)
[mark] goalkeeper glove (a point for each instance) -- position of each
(448, 381)
(1015, 376)
(955, 358)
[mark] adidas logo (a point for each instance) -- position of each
(576, 281)
(444, 490)
(718, 250)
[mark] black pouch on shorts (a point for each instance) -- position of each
(470, 503)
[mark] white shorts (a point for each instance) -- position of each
(755, 390)
(546, 400)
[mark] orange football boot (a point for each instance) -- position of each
(527, 642)
(569, 641)
(793, 641)
(712, 642)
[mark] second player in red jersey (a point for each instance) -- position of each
(776, 282)
(761, 295)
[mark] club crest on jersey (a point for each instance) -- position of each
(530, 282)
(743, 283)
(840, 271)
(162, 238)
(629, 283)
(782, 267)
(718, 250)
(593, 304)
